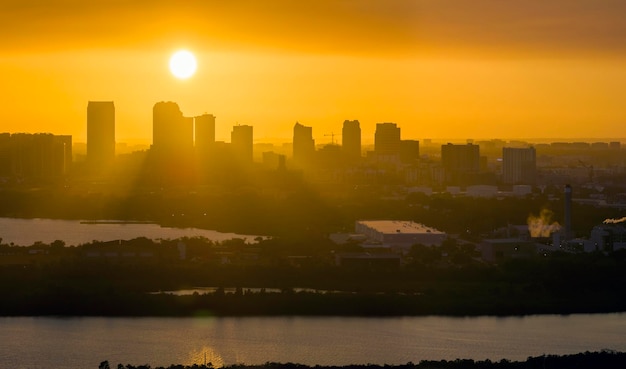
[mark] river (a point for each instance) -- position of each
(25, 232)
(73, 343)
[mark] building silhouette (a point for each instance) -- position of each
(326, 158)
(35, 157)
(5, 155)
(303, 144)
(409, 151)
(241, 141)
(519, 165)
(172, 133)
(204, 133)
(100, 133)
(172, 144)
(351, 140)
(461, 163)
(387, 142)
(273, 161)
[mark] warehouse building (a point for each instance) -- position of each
(399, 234)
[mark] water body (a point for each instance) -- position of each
(232, 290)
(84, 342)
(25, 232)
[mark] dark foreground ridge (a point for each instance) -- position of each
(73, 285)
(603, 359)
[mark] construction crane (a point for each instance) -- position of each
(332, 137)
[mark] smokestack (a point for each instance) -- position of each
(568, 212)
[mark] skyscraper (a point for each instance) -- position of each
(172, 134)
(204, 133)
(241, 143)
(38, 156)
(409, 151)
(519, 165)
(303, 144)
(387, 141)
(100, 133)
(461, 163)
(172, 144)
(351, 139)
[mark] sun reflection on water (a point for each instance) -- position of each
(205, 355)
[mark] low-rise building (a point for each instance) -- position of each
(607, 237)
(399, 234)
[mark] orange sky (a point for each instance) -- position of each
(440, 69)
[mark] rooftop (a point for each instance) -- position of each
(399, 227)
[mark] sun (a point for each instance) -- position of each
(183, 64)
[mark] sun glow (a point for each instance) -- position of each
(183, 64)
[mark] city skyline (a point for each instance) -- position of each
(208, 126)
(312, 184)
(439, 70)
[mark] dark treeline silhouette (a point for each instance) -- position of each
(115, 279)
(604, 359)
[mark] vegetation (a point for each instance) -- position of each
(116, 278)
(119, 279)
(603, 359)
(295, 211)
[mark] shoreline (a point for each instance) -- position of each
(130, 305)
(605, 359)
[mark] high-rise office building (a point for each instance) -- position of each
(303, 144)
(409, 151)
(36, 156)
(387, 140)
(172, 133)
(519, 165)
(351, 139)
(204, 133)
(461, 163)
(100, 133)
(460, 157)
(241, 143)
(5, 155)
(172, 145)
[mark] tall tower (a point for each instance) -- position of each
(38, 156)
(204, 133)
(172, 144)
(241, 143)
(409, 151)
(100, 133)
(461, 163)
(171, 132)
(303, 144)
(387, 140)
(518, 165)
(351, 139)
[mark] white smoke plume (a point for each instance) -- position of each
(614, 221)
(542, 225)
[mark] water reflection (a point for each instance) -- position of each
(25, 232)
(34, 342)
(233, 290)
(204, 356)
